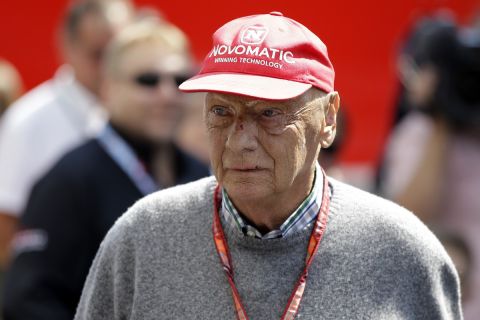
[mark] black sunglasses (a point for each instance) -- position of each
(153, 79)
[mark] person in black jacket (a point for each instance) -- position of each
(72, 207)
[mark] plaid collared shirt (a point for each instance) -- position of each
(300, 219)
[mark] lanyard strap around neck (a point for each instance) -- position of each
(226, 260)
(126, 158)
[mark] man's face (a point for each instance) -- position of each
(84, 52)
(84, 49)
(262, 149)
(142, 95)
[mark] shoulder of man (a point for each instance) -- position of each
(32, 102)
(169, 207)
(25, 121)
(155, 216)
(387, 237)
(388, 244)
(75, 165)
(382, 222)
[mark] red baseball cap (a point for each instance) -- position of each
(267, 56)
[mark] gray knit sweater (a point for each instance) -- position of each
(376, 261)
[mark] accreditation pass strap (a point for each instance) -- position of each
(293, 304)
(125, 157)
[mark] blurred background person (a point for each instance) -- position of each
(11, 86)
(58, 114)
(72, 207)
(432, 164)
(191, 134)
(428, 51)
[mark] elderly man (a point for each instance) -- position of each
(270, 236)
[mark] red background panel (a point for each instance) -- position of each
(362, 37)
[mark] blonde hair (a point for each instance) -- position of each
(146, 30)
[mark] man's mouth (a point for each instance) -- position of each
(245, 168)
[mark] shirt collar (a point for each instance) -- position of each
(65, 78)
(300, 219)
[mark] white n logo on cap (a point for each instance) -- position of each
(254, 35)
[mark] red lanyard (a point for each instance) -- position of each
(226, 260)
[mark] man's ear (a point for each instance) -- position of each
(330, 111)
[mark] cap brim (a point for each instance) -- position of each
(246, 85)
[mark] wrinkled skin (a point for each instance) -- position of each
(264, 152)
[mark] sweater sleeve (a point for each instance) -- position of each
(392, 261)
(435, 285)
(109, 289)
(417, 275)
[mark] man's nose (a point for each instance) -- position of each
(243, 136)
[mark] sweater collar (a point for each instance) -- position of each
(302, 218)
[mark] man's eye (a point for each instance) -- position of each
(269, 113)
(220, 111)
